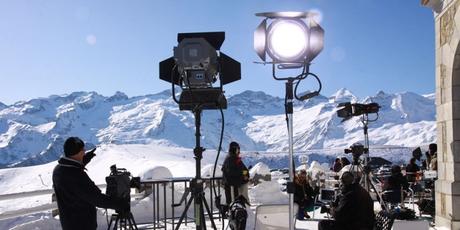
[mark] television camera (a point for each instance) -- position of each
(119, 184)
(356, 150)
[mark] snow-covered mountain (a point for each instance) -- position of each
(33, 132)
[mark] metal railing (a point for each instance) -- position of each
(36, 209)
(162, 192)
(164, 214)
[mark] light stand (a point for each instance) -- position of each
(366, 178)
(365, 120)
(289, 113)
(196, 65)
(289, 109)
(197, 194)
(291, 40)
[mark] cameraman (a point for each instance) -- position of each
(235, 174)
(77, 195)
(353, 209)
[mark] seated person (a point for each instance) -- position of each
(344, 161)
(394, 184)
(337, 165)
(353, 209)
(304, 195)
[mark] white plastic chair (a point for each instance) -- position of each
(273, 216)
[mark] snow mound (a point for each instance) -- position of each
(317, 170)
(260, 169)
(302, 167)
(316, 166)
(155, 173)
(267, 192)
(207, 170)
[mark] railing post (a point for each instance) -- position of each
(172, 203)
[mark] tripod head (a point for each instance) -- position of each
(356, 150)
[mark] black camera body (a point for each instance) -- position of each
(356, 150)
(120, 182)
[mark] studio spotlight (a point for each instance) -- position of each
(196, 65)
(292, 39)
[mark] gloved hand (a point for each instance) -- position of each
(88, 156)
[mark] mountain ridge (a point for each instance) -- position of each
(32, 132)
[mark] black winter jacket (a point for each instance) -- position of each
(77, 196)
(232, 171)
(355, 209)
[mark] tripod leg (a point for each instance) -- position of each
(370, 184)
(116, 223)
(209, 212)
(132, 223)
(203, 220)
(110, 223)
(379, 197)
(184, 213)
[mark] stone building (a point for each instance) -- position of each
(447, 23)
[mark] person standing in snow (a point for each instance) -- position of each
(235, 174)
(77, 195)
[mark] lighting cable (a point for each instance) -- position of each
(218, 154)
(172, 85)
(302, 76)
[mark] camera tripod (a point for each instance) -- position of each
(356, 167)
(123, 220)
(365, 179)
(196, 185)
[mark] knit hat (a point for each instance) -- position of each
(72, 146)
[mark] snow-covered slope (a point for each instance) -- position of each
(33, 132)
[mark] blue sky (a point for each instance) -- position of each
(57, 47)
